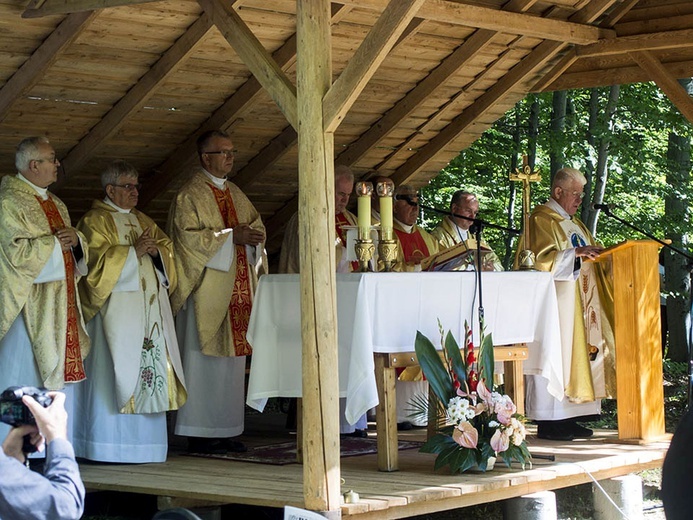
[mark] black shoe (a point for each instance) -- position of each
(579, 432)
(206, 446)
(233, 446)
(554, 431)
(360, 434)
(404, 426)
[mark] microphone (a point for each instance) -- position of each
(605, 207)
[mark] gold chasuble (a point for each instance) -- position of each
(199, 219)
(589, 363)
(449, 235)
(50, 309)
(133, 308)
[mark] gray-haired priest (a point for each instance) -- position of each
(135, 370)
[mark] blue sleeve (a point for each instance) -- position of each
(59, 493)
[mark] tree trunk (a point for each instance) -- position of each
(508, 257)
(677, 279)
(556, 153)
(533, 132)
(601, 173)
(591, 150)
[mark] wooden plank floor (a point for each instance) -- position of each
(413, 490)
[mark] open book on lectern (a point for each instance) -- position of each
(460, 257)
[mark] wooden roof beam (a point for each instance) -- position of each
(33, 69)
(40, 8)
(255, 56)
(502, 21)
(180, 161)
(435, 79)
(366, 60)
(270, 154)
(665, 81)
(136, 96)
(642, 42)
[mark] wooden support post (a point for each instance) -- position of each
(385, 415)
(321, 470)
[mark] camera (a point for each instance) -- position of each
(13, 411)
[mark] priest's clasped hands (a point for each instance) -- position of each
(67, 237)
(146, 245)
(244, 235)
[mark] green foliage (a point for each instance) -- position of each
(637, 162)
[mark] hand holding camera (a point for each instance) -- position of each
(32, 410)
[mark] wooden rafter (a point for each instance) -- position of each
(640, 42)
(135, 97)
(665, 81)
(180, 161)
(270, 154)
(40, 61)
(51, 7)
(368, 57)
(502, 21)
(255, 56)
(425, 88)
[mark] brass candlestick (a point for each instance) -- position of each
(387, 251)
(364, 252)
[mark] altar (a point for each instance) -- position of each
(381, 313)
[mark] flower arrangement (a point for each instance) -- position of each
(481, 424)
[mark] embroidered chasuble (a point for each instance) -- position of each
(129, 295)
(50, 309)
(199, 218)
(449, 235)
(241, 299)
(413, 247)
(585, 293)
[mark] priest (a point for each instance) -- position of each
(454, 229)
(413, 243)
(43, 339)
(218, 240)
(563, 246)
(136, 374)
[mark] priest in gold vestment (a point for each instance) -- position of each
(218, 240)
(453, 230)
(136, 374)
(562, 245)
(43, 339)
(289, 263)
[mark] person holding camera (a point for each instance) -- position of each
(59, 492)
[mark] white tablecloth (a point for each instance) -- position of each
(381, 312)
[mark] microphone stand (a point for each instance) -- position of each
(476, 228)
(608, 213)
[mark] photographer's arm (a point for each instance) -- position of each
(58, 494)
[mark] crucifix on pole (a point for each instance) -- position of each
(525, 176)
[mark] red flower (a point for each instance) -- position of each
(473, 380)
(471, 358)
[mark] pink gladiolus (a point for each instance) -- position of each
(500, 441)
(465, 435)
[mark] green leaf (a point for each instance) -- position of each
(437, 443)
(459, 365)
(486, 360)
(433, 368)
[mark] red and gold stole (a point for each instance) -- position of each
(412, 243)
(74, 368)
(341, 220)
(241, 299)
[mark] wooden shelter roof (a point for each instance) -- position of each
(140, 80)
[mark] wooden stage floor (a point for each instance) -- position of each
(414, 490)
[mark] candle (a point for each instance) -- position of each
(385, 191)
(364, 191)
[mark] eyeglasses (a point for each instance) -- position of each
(225, 153)
(409, 200)
(128, 187)
(577, 194)
(53, 160)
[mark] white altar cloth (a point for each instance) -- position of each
(381, 312)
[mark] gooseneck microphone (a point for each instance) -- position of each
(605, 207)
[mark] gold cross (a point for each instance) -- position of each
(525, 176)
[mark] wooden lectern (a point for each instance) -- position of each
(637, 332)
